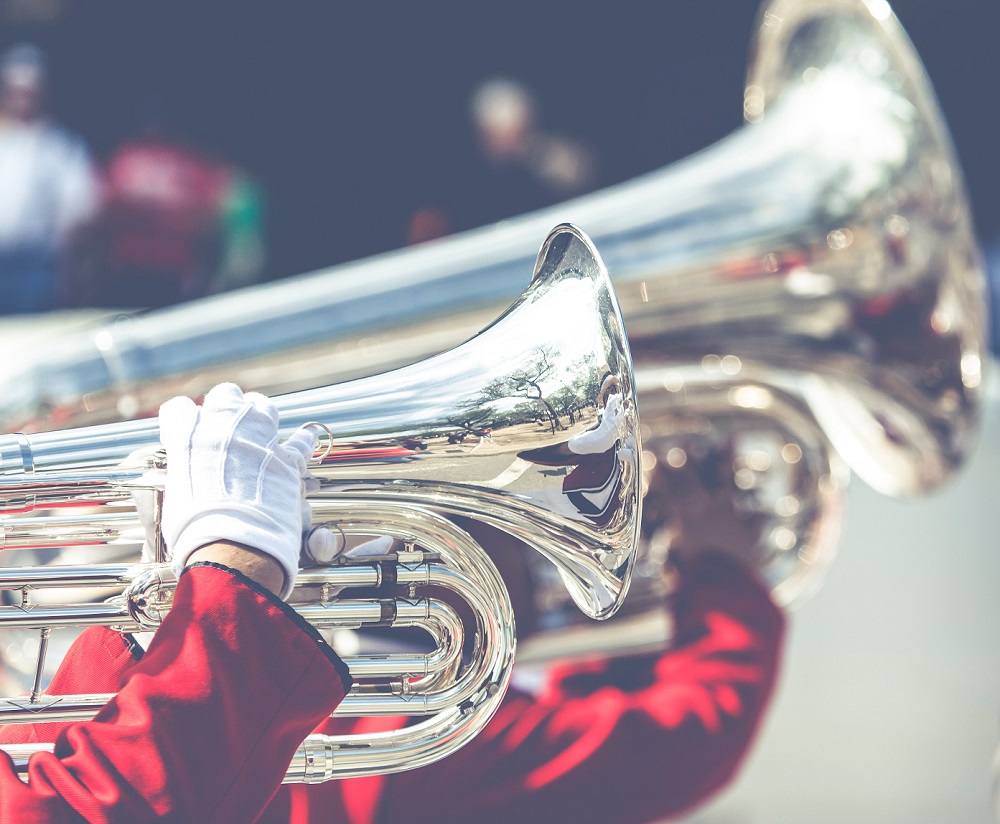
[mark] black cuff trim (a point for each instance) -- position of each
(134, 647)
(291, 614)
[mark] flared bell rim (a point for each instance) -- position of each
(933, 424)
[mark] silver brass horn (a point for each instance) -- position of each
(754, 450)
(827, 246)
(469, 432)
(823, 252)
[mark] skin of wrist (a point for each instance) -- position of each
(256, 565)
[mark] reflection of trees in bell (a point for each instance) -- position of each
(572, 398)
(528, 382)
(552, 391)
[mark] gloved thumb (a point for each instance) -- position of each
(323, 545)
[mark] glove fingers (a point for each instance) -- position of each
(139, 458)
(177, 419)
(229, 479)
(372, 548)
(264, 405)
(223, 396)
(323, 545)
(302, 442)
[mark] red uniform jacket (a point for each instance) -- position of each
(628, 740)
(204, 725)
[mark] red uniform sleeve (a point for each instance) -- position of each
(205, 724)
(631, 740)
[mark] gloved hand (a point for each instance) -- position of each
(228, 478)
(319, 545)
(601, 439)
(371, 548)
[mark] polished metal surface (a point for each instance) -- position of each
(500, 429)
(827, 245)
(756, 456)
(785, 478)
(459, 698)
(821, 255)
(480, 430)
(813, 279)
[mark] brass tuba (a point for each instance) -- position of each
(456, 434)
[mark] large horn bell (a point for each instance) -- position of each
(531, 427)
(467, 432)
(827, 245)
(822, 256)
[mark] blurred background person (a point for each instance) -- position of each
(48, 186)
(176, 222)
(517, 166)
(504, 114)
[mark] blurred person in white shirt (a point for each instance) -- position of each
(48, 185)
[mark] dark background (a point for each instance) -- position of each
(353, 115)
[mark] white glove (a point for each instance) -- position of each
(319, 544)
(325, 548)
(228, 478)
(595, 441)
(626, 452)
(371, 549)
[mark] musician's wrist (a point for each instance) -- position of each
(258, 566)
